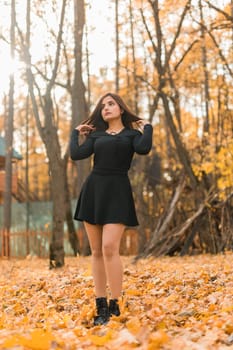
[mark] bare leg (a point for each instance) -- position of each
(112, 234)
(94, 233)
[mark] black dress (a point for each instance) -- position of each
(106, 195)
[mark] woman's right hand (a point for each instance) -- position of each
(85, 129)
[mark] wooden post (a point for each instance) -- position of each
(2, 242)
(5, 243)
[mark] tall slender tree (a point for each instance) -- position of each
(9, 122)
(49, 135)
(206, 123)
(28, 21)
(135, 84)
(117, 64)
(79, 104)
(162, 65)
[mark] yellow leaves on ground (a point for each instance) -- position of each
(157, 340)
(100, 339)
(37, 340)
(168, 303)
(134, 325)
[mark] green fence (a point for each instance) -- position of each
(34, 240)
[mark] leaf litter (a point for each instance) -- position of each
(168, 303)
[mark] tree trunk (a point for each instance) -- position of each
(9, 124)
(49, 136)
(28, 34)
(181, 150)
(205, 70)
(57, 172)
(117, 46)
(135, 84)
(79, 105)
(139, 169)
(73, 238)
(58, 180)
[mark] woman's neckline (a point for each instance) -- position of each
(114, 133)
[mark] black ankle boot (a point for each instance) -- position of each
(114, 307)
(102, 312)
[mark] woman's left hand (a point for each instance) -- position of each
(141, 123)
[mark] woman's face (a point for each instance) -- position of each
(110, 109)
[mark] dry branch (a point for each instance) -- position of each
(165, 241)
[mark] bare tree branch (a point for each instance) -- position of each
(148, 32)
(225, 14)
(185, 54)
(57, 56)
(177, 34)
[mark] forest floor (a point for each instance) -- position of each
(168, 303)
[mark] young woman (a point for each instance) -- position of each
(106, 204)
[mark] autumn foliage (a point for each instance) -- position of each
(168, 303)
(172, 64)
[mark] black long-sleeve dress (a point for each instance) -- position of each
(106, 195)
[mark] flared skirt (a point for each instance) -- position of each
(106, 199)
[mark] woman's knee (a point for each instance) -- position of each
(97, 253)
(109, 249)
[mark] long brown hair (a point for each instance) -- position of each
(128, 117)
